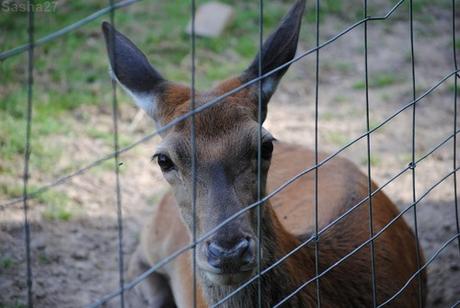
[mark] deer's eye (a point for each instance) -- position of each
(164, 162)
(267, 150)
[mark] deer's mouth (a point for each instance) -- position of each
(227, 275)
(228, 278)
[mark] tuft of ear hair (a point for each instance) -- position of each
(278, 49)
(132, 70)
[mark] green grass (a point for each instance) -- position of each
(71, 71)
(328, 116)
(6, 263)
(374, 159)
(107, 136)
(13, 305)
(43, 259)
(451, 87)
(336, 138)
(373, 123)
(58, 206)
(337, 66)
(379, 80)
(340, 98)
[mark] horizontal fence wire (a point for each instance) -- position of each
(198, 109)
(126, 286)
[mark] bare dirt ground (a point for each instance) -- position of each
(74, 261)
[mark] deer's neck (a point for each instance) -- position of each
(278, 282)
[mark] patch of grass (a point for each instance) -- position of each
(57, 206)
(342, 67)
(13, 305)
(457, 45)
(107, 137)
(355, 112)
(10, 190)
(336, 138)
(43, 259)
(108, 166)
(6, 263)
(328, 116)
(406, 157)
(378, 81)
(96, 133)
(12, 137)
(421, 6)
(373, 123)
(359, 85)
(374, 159)
(327, 7)
(451, 87)
(340, 98)
(57, 212)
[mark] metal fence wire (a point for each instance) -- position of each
(316, 237)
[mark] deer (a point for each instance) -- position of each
(226, 148)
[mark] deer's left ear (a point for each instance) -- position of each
(132, 70)
(279, 48)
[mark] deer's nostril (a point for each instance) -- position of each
(215, 250)
(235, 251)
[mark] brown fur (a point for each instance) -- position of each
(341, 185)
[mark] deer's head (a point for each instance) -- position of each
(226, 144)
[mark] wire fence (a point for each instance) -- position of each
(194, 109)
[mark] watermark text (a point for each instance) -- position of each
(10, 6)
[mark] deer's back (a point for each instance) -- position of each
(341, 185)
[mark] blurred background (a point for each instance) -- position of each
(74, 227)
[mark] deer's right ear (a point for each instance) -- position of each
(132, 70)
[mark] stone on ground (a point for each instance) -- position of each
(211, 19)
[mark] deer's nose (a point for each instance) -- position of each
(230, 259)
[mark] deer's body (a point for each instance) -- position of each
(235, 157)
(341, 186)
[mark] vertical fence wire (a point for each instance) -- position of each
(27, 150)
(413, 163)
(193, 142)
(117, 165)
(369, 169)
(454, 49)
(259, 154)
(318, 293)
